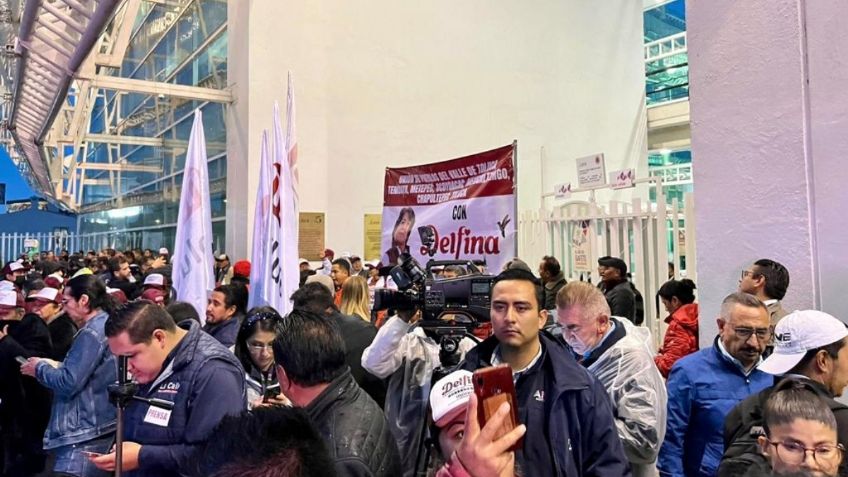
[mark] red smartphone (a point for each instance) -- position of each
(493, 387)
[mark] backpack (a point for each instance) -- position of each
(638, 306)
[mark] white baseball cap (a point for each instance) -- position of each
(449, 396)
(163, 251)
(46, 294)
(301, 261)
(323, 280)
(222, 257)
(8, 299)
(6, 285)
(799, 332)
(155, 279)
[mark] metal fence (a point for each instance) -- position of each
(14, 245)
(647, 236)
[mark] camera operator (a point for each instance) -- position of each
(404, 354)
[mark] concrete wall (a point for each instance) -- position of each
(387, 83)
(768, 121)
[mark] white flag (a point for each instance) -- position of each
(259, 265)
(291, 207)
(192, 273)
(283, 236)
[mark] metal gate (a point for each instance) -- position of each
(647, 236)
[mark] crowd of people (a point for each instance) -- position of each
(340, 387)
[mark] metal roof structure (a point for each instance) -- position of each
(63, 81)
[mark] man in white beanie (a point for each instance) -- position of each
(809, 346)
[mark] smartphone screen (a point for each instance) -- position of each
(90, 454)
(493, 387)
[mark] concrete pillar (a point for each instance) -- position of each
(768, 121)
(241, 178)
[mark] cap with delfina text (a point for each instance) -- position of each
(449, 396)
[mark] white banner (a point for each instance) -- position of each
(462, 209)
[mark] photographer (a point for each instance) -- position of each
(404, 354)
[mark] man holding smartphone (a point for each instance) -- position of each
(567, 409)
(179, 364)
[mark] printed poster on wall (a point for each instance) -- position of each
(311, 235)
(581, 251)
(461, 209)
(373, 235)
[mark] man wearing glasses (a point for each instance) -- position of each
(810, 346)
(768, 281)
(704, 386)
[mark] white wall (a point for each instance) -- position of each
(768, 136)
(386, 83)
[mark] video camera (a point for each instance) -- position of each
(461, 301)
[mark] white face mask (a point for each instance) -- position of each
(577, 345)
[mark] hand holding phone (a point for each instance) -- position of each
(494, 386)
(20, 359)
(90, 454)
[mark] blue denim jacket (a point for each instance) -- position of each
(81, 408)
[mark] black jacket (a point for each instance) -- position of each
(132, 290)
(358, 335)
(621, 299)
(62, 332)
(744, 423)
(551, 289)
(355, 430)
(581, 430)
(25, 404)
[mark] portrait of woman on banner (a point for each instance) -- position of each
(400, 236)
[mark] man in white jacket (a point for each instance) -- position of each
(620, 355)
(405, 355)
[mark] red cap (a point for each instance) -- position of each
(242, 269)
(118, 295)
(155, 295)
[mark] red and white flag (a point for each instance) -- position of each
(259, 263)
(193, 274)
(284, 275)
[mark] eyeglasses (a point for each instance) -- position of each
(793, 453)
(745, 273)
(259, 347)
(744, 333)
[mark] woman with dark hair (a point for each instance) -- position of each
(400, 236)
(681, 338)
(225, 312)
(253, 349)
(82, 419)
